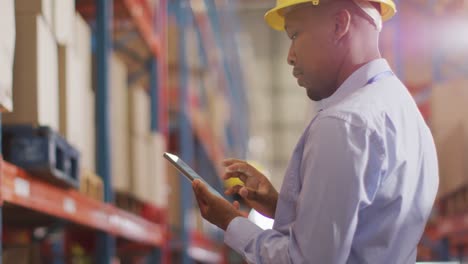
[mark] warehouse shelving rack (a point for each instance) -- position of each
(20, 189)
(445, 237)
(198, 146)
(31, 202)
(28, 202)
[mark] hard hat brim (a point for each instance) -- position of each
(275, 19)
(387, 8)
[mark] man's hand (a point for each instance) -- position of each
(257, 191)
(216, 210)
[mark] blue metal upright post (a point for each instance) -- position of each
(104, 16)
(234, 132)
(155, 256)
(154, 95)
(240, 85)
(444, 254)
(185, 128)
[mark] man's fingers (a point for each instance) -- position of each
(201, 203)
(248, 193)
(239, 170)
(202, 196)
(235, 174)
(233, 190)
(236, 205)
(201, 190)
(238, 167)
(229, 162)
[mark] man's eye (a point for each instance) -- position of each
(294, 36)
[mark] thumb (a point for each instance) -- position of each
(199, 187)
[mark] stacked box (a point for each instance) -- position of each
(192, 50)
(35, 81)
(76, 94)
(139, 163)
(175, 211)
(63, 21)
(219, 116)
(70, 101)
(91, 185)
(449, 126)
(7, 52)
(140, 117)
(139, 114)
(157, 192)
(36, 7)
(119, 126)
(16, 255)
(84, 81)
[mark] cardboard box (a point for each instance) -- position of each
(36, 7)
(192, 49)
(449, 126)
(82, 41)
(35, 78)
(70, 97)
(63, 21)
(139, 123)
(175, 211)
(139, 167)
(157, 192)
(16, 255)
(148, 169)
(76, 106)
(119, 126)
(7, 53)
(91, 185)
(452, 153)
(140, 115)
(81, 47)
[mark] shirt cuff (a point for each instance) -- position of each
(239, 233)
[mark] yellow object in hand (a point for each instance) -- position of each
(231, 182)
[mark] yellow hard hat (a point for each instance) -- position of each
(275, 18)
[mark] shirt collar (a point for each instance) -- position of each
(355, 81)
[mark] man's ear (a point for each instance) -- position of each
(342, 23)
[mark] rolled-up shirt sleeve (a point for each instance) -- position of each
(340, 172)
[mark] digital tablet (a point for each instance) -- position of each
(187, 171)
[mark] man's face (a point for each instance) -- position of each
(312, 52)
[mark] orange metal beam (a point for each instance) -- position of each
(144, 23)
(201, 241)
(21, 189)
(138, 11)
(450, 226)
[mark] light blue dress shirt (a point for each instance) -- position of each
(360, 185)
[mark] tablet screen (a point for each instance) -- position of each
(187, 171)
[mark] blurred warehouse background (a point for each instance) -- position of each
(93, 92)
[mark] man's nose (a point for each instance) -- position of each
(291, 56)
